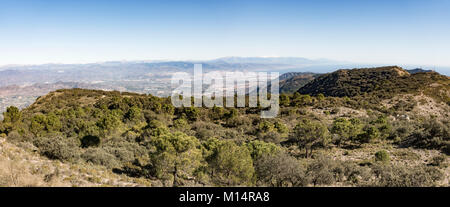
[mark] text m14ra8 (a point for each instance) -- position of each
(246, 196)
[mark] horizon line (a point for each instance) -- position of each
(161, 60)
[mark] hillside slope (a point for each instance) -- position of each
(22, 166)
(130, 139)
(383, 82)
(293, 82)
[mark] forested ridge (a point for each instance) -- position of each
(382, 82)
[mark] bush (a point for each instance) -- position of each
(351, 173)
(280, 170)
(176, 157)
(370, 134)
(345, 129)
(15, 136)
(272, 137)
(98, 156)
(110, 121)
(12, 115)
(61, 148)
(190, 113)
(382, 156)
(237, 121)
(259, 148)
(402, 176)
(181, 125)
(281, 128)
(266, 126)
(154, 128)
(125, 151)
(310, 135)
(433, 134)
(438, 161)
(326, 171)
(231, 165)
(320, 172)
(134, 114)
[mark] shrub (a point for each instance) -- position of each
(12, 115)
(125, 151)
(284, 100)
(310, 135)
(181, 125)
(231, 165)
(403, 176)
(370, 134)
(237, 121)
(272, 137)
(134, 114)
(345, 129)
(382, 156)
(176, 157)
(433, 134)
(281, 128)
(438, 161)
(320, 172)
(98, 156)
(15, 136)
(154, 129)
(190, 113)
(110, 121)
(61, 148)
(265, 126)
(232, 113)
(280, 170)
(259, 148)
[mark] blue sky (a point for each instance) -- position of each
(401, 32)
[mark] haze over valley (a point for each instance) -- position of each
(21, 85)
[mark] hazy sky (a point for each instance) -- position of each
(392, 32)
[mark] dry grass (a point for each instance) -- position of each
(23, 167)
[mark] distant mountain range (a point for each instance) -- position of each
(278, 60)
(291, 82)
(418, 70)
(118, 71)
(138, 70)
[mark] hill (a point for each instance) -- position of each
(382, 82)
(291, 82)
(288, 75)
(135, 139)
(23, 96)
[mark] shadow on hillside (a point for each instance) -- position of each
(135, 170)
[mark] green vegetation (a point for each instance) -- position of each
(291, 85)
(310, 135)
(378, 83)
(433, 134)
(382, 156)
(346, 129)
(145, 137)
